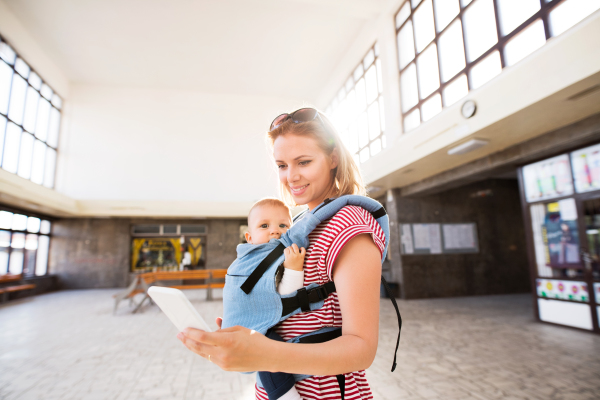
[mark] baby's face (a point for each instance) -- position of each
(266, 223)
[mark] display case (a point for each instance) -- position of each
(560, 197)
(167, 247)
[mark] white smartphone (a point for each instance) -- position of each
(178, 308)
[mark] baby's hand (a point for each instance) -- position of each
(294, 257)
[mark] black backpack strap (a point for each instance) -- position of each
(259, 271)
(390, 295)
(304, 297)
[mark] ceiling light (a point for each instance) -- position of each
(466, 147)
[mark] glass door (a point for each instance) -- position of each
(562, 281)
(591, 251)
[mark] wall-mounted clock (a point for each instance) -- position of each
(468, 109)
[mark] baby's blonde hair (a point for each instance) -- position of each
(346, 176)
(270, 202)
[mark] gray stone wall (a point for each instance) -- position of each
(501, 264)
(90, 253)
(96, 252)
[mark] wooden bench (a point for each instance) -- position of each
(10, 278)
(7, 279)
(217, 280)
(142, 282)
(137, 286)
(200, 274)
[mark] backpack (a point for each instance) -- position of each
(250, 296)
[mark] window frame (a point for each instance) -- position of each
(378, 99)
(542, 14)
(162, 233)
(53, 105)
(51, 220)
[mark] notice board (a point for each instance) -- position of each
(436, 238)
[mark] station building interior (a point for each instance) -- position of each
(133, 142)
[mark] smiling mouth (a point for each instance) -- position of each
(299, 189)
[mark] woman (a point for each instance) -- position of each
(314, 165)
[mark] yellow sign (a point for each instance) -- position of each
(195, 249)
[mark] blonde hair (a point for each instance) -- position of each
(346, 176)
(269, 202)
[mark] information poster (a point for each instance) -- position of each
(560, 234)
(435, 239)
(586, 168)
(548, 179)
(407, 239)
(421, 236)
(564, 290)
(432, 238)
(459, 237)
(427, 238)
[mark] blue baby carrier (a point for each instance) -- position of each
(250, 296)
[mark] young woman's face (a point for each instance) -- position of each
(304, 168)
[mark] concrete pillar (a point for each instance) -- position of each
(394, 259)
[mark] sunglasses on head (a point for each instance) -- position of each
(298, 116)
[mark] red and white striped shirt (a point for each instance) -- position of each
(326, 242)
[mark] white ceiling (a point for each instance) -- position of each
(282, 48)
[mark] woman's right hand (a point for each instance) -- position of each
(233, 349)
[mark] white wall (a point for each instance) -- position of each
(157, 145)
(148, 152)
(16, 34)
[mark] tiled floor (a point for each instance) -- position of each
(68, 345)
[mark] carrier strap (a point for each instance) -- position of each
(341, 378)
(376, 214)
(389, 293)
(324, 203)
(321, 292)
(321, 337)
(326, 337)
(304, 297)
(300, 215)
(259, 271)
(379, 213)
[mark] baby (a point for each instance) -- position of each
(269, 219)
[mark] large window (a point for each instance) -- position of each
(24, 244)
(357, 110)
(448, 47)
(29, 120)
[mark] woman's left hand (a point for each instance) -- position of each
(232, 349)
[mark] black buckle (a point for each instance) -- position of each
(302, 297)
(321, 292)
